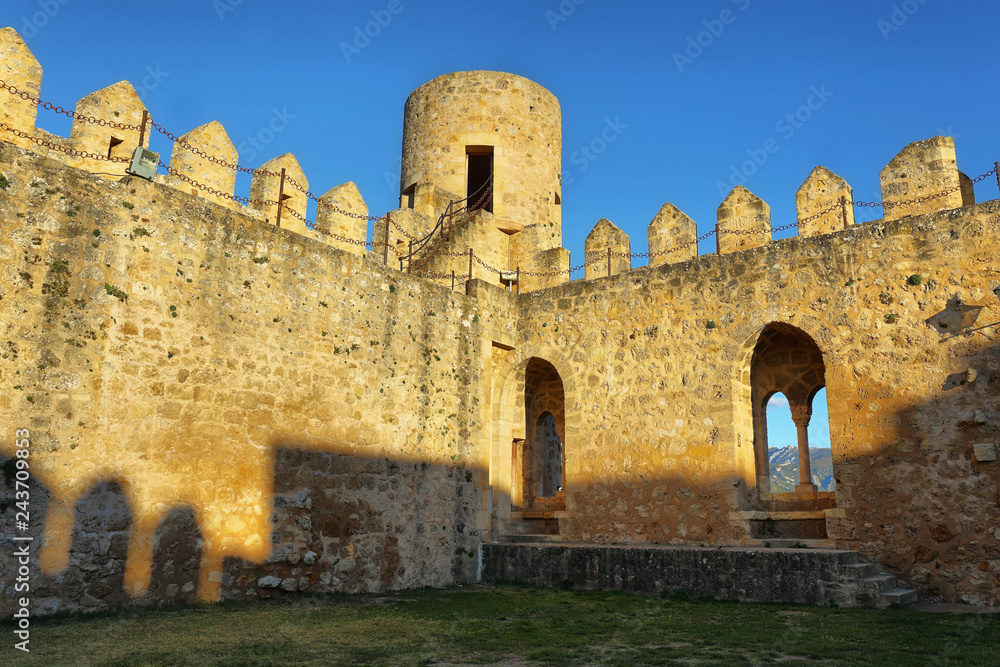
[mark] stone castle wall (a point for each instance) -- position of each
(293, 397)
(659, 441)
(221, 408)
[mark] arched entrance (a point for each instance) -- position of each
(528, 482)
(542, 461)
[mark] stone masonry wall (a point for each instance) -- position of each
(659, 438)
(206, 363)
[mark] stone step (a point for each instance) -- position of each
(899, 597)
(877, 584)
(792, 543)
(527, 538)
(859, 571)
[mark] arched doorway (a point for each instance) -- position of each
(542, 464)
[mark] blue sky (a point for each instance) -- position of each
(697, 88)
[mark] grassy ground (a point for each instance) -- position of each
(507, 625)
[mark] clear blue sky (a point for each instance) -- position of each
(700, 86)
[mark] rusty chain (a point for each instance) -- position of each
(28, 97)
(68, 151)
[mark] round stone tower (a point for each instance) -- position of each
(467, 130)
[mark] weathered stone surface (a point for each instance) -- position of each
(822, 190)
(673, 237)
(212, 139)
(203, 424)
(603, 237)
(985, 451)
(265, 188)
(341, 217)
(18, 68)
(744, 222)
(968, 190)
(803, 576)
(118, 103)
(921, 169)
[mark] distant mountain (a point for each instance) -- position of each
(784, 464)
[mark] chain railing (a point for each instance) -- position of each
(445, 226)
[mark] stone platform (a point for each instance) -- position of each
(752, 574)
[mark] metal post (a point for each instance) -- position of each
(843, 208)
(996, 170)
(519, 280)
(281, 195)
(453, 280)
(385, 248)
(468, 283)
(142, 129)
(409, 258)
(609, 260)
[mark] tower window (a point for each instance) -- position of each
(479, 176)
(406, 198)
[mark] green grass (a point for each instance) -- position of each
(508, 625)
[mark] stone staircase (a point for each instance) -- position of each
(867, 585)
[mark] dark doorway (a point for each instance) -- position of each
(480, 177)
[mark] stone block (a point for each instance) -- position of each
(118, 104)
(922, 169)
(342, 217)
(213, 140)
(968, 190)
(744, 222)
(604, 236)
(553, 261)
(18, 68)
(823, 190)
(265, 188)
(673, 237)
(985, 452)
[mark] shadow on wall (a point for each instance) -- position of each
(926, 504)
(339, 523)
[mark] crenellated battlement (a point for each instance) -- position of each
(422, 235)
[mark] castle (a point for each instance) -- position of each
(225, 400)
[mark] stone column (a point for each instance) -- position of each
(801, 415)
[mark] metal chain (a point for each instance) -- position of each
(28, 97)
(68, 151)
